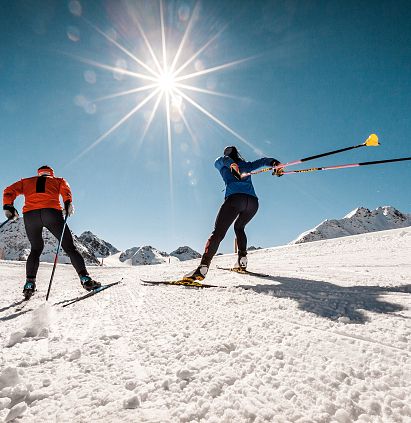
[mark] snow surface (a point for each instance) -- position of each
(325, 338)
(358, 221)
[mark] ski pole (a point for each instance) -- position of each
(371, 141)
(56, 257)
(345, 166)
(4, 223)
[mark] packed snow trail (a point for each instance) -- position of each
(325, 337)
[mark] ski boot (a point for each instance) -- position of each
(88, 283)
(241, 263)
(29, 288)
(198, 274)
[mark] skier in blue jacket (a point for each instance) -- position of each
(240, 205)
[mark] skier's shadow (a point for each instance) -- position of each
(333, 301)
(15, 304)
(17, 312)
(14, 315)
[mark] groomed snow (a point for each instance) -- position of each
(325, 338)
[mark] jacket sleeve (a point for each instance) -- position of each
(223, 161)
(264, 161)
(65, 191)
(12, 191)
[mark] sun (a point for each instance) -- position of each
(165, 78)
(167, 82)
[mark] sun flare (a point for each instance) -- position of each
(167, 79)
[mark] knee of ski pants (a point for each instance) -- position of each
(69, 249)
(238, 227)
(218, 235)
(37, 250)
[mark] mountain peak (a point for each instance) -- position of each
(185, 253)
(145, 255)
(14, 245)
(97, 245)
(358, 221)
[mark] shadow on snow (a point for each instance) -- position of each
(333, 301)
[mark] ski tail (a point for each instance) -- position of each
(244, 272)
(90, 294)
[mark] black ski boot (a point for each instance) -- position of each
(88, 283)
(29, 288)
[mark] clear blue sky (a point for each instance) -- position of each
(323, 75)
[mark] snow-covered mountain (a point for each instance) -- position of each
(145, 255)
(252, 248)
(14, 245)
(185, 253)
(98, 246)
(359, 221)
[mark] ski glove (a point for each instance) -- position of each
(10, 212)
(279, 171)
(235, 171)
(68, 208)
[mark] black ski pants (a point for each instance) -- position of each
(240, 208)
(52, 219)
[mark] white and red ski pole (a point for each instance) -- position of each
(371, 141)
(345, 166)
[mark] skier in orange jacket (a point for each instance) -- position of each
(42, 209)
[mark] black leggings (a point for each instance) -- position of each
(52, 219)
(240, 208)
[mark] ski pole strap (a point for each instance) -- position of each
(345, 166)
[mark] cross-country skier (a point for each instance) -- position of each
(42, 209)
(240, 205)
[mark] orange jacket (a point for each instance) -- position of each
(40, 192)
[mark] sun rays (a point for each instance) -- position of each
(164, 78)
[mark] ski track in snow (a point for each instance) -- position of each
(325, 338)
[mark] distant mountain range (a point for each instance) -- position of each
(359, 221)
(14, 245)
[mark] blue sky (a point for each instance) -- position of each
(321, 75)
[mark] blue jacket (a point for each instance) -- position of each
(233, 185)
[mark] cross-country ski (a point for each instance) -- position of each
(181, 282)
(95, 291)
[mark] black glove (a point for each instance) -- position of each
(279, 171)
(10, 212)
(235, 171)
(68, 208)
